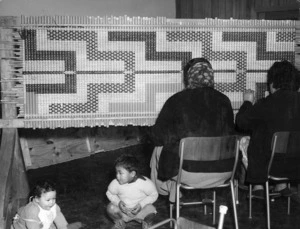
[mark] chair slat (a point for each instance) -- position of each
(209, 148)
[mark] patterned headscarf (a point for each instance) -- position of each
(200, 75)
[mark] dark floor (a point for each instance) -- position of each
(82, 185)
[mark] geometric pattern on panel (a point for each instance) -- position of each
(122, 75)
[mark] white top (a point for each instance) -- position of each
(47, 216)
(141, 191)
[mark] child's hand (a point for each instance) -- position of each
(136, 209)
(125, 210)
(76, 225)
(249, 95)
(123, 207)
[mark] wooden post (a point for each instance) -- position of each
(14, 184)
(20, 185)
(6, 158)
(14, 187)
(9, 110)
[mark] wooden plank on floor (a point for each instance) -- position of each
(6, 159)
(25, 151)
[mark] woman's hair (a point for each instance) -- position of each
(41, 187)
(191, 63)
(128, 162)
(284, 75)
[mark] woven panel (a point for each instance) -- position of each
(122, 75)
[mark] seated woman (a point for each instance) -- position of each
(280, 111)
(198, 110)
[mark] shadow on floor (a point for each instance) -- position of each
(82, 184)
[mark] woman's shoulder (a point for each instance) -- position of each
(184, 95)
(213, 94)
(187, 94)
(176, 99)
(178, 94)
(215, 91)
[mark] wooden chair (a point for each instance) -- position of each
(285, 145)
(215, 160)
(183, 223)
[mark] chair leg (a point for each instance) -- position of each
(234, 205)
(268, 204)
(177, 201)
(171, 214)
(236, 188)
(250, 201)
(214, 207)
(205, 209)
(289, 200)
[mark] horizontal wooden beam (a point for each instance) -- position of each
(26, 123)
(9, 21)
(294, 6)
(12, 123)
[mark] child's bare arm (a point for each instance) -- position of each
(60, 220)
(75, 225)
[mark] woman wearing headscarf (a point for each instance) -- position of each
(198, 110)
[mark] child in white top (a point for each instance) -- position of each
(131, 195)
(42, 212)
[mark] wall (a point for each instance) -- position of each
(238, 9)
(144, 8)
(224, 9)
(277, 9)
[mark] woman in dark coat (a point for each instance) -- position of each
(198, 110)
(280, 111)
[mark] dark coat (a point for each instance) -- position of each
(277, 112)
(191, 112)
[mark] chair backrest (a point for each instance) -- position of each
(209, 154)
(285, 143)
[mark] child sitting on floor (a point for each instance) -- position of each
(131, 195)
(42, 212)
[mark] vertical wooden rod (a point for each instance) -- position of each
(9, 110)
(15, 180)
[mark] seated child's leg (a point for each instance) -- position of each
(114, 212)
(147, 210)
(116, 215)
(148, 221)
(146, 216)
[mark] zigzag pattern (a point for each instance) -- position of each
(126, 73)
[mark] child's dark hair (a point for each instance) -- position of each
(128, 162)
(41, 187)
